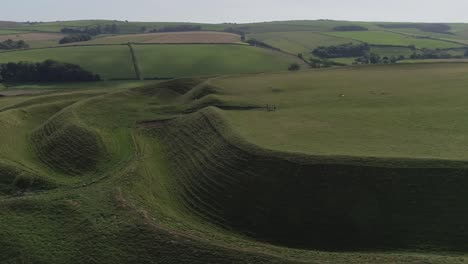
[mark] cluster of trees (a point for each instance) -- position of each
(350, 28)
(178, 28)
(11, 44)
(323, 63)
(434, 54)
(75, 38)
(344, 50)
(93, 31)
(374, 58)
(47, 71)
(258, 43)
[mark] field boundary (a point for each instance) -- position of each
(135, 62)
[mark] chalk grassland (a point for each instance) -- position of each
(108, 61)
(389, 38)
(196, 60)
(130, 186)
(400, 110)
(299, 42)
(172, 37)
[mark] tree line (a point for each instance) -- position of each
(11, 45)
(340, 51)
(92, 31)
(177, 28)
(47, 71)
(258, 43)
(350, 28)
(75, 38)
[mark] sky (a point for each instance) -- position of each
(239, 11)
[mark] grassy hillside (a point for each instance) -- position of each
(299, 42)
(389, 38)
(193, 60)
(174, 184)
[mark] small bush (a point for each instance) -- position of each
(294, 67)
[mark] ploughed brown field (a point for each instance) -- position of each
(172, 37)
(32, 36)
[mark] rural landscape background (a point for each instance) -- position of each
(302, 141)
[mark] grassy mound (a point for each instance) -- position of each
(68, 147)
(13, 179)
(314, 202)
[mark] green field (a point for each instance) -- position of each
(115, 62)
(196, 60)
(108, 61)
(394, 111)
(388, 38)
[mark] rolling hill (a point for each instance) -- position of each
(346, 170)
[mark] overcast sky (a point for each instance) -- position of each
(236, 11)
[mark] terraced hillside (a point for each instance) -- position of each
(172, 172)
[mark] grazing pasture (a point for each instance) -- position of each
(196, 60)
(393, 111)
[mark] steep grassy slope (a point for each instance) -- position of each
(313, 202)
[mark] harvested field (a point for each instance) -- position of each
(31, 36)
(171, 37)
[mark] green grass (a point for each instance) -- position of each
(392, 51)
(108, 61)
(192, 190)
(435, 61)
(9, 32)
(388, 38)
(399, 110)
(199, 60)
(81, 86)
(115, 62)
(298, 42)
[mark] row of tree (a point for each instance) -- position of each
(177, 28)
(11, 44)
(374, 58)
(258, 43)
(93, 31)
(435, 54)
(75, 38)
(344, 50)
(350, 28)
(47, 71)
